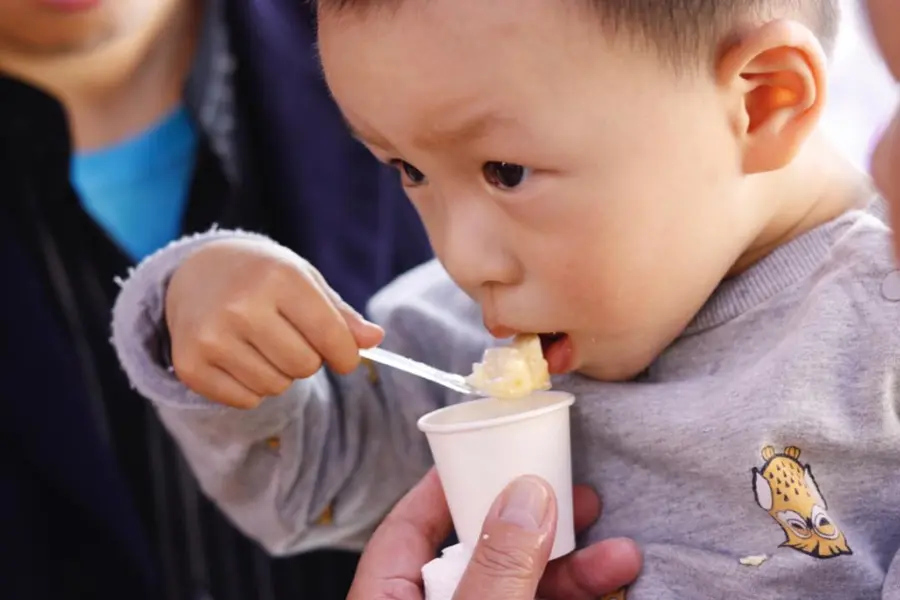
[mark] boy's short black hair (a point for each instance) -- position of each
(680, 28)
(684, 27)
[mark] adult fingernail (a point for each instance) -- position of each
(525, 503)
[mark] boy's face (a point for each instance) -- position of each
(569, 183)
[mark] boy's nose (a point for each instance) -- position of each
(475, 253)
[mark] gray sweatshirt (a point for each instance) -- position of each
(770, 427)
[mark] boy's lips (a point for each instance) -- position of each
(500, 331)
(493, 324)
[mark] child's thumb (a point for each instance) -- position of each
(366, 333)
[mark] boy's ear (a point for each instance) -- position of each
(775, 80)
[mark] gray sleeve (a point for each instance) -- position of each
(346, 445)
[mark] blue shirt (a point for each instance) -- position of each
(137, 190)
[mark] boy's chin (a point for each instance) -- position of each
(613, 371)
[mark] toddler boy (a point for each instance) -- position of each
(642, 183)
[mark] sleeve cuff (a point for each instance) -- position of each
(139, 332)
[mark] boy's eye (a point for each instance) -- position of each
(503, 175)
(412, 174)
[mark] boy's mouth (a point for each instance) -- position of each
(557, 349)
(548, 339)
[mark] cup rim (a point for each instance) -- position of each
(564, 400)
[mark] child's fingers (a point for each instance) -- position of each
(286, 348)
(310, 310)
(248, 365)
(217, 385)
(325, 331)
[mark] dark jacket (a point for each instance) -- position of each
(94, 500)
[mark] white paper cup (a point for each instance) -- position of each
(481, 446)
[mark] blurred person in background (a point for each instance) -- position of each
(885, 19)
(167, 116)
(861, 92)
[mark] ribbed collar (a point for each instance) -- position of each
(781, 269)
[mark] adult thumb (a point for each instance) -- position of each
(514, 546)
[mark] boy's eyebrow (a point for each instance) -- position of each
(365, 137)
(473, 127)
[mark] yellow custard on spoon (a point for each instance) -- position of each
(514, 371)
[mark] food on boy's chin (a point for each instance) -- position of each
(509, 372)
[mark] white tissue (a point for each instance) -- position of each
(442, 575)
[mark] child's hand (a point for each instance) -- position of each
(247, 318)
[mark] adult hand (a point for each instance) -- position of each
(509, 562)
(885, 18)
